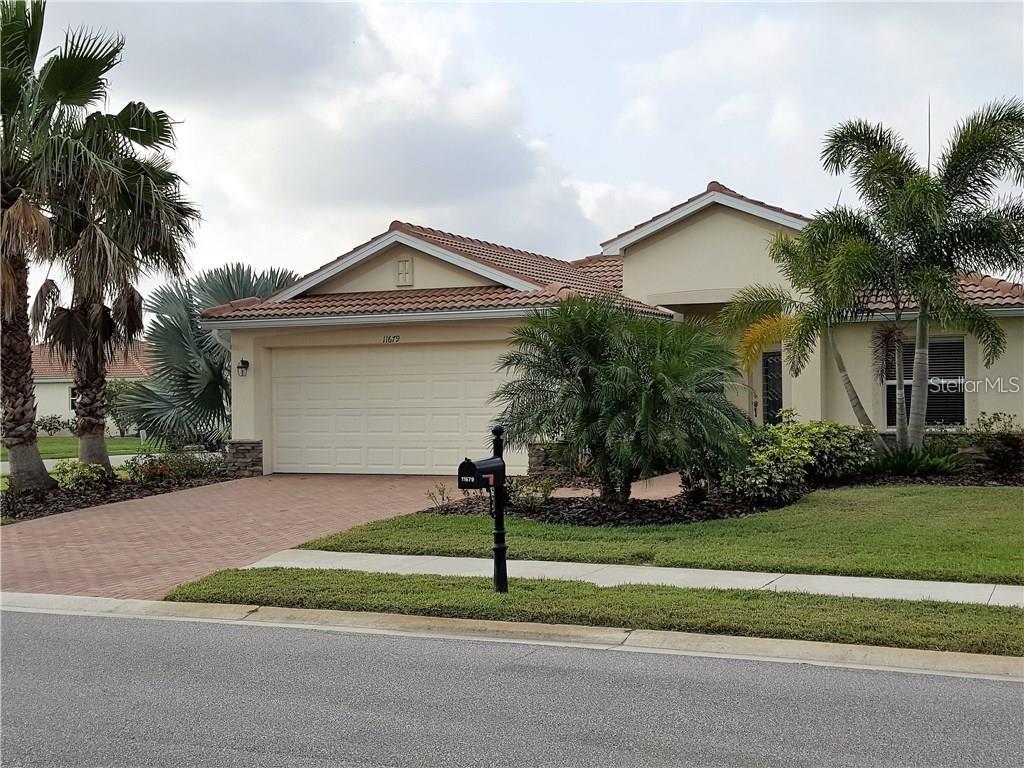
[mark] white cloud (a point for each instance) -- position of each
(741, 105)
(613, 208)
(641, 116)
(786, 121)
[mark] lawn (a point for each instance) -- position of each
(899, 623)
(915, 532)
(66, 447)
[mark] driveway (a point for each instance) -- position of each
(143, 548)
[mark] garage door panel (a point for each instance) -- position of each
(383, 409)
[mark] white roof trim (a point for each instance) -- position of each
(389, 239)
(380, 318)
(615, 247)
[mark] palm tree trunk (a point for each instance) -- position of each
(851, 392)
(901, 399)
(91, 383)
(28, 473)
(919, 384)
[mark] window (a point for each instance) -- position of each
(73, 398)
(403, 272)
(945, 382)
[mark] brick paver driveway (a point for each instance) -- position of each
(144, 547)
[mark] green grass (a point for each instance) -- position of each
(66, 447)
(907, 624)
(914, 532)
(5, 520)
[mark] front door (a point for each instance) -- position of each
(771, 386)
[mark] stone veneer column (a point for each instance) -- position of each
(245, 457)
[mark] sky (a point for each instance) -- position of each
(304, 129)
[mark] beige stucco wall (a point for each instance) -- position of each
(251, 412)
(997, 388)
(378, 274)
(54, 398)
(702, 259)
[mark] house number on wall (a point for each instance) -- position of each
(390, 339)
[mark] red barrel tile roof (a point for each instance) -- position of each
(983, 290)
(136, 365)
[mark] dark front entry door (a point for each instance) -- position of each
(771, 386)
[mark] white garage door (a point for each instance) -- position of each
(391, 408)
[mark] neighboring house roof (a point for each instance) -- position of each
(607, 269)
(532, 280)
(984, 290)
(46, 365)
(715, 192)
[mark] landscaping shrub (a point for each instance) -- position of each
(529, 493)
(149, 469)
(1000, 438)
(70, 474)
(775, 471)
(784, 459)
(51, 424)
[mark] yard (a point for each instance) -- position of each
(927, 625)
(913, 532)
(66, 446)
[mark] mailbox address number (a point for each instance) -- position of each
(390, 339)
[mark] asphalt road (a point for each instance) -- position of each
(84, 691)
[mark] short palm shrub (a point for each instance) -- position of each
(938, 459)
(626, 394)
(72, 475)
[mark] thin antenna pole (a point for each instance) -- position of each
(929, 134)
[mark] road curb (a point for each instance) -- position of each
(1006, 668)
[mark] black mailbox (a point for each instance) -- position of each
(482, 473)
(489, 474)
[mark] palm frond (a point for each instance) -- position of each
(985, 147)
(877, 158)
(75, 75)
(761, 336)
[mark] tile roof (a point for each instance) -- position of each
(410, 300)
(713, 186)
(607, 269)
(136, 365)
(983, 290)
(555, 279)
(533, 267)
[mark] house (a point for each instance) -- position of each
(55, 382)
(382, 360)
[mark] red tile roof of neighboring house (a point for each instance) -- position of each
(713, 186)
(983, 290)
(608, 269)
(136, 365)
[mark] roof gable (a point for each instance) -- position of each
(398, 234)
(715, 194)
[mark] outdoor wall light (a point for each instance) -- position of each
(243, 367)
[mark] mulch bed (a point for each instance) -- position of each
(594, 511)
(27, 506)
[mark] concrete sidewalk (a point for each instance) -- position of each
(614, 575)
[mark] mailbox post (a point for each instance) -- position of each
(489, 473)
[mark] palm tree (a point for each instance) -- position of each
(40, 146)
(104, 246)
(626, 393)
(188, 396)
(802, 316)
(922, 227)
